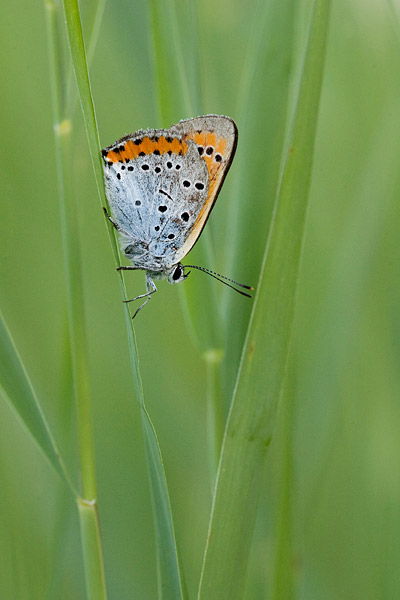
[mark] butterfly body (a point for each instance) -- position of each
(161, 185)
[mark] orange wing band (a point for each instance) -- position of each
(132, 149)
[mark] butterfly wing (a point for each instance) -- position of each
(156, 184)
(162, 185)
(216, 139)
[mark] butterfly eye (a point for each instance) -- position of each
(129, 250)
(177, 273)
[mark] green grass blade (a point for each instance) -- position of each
(170, 583)
(92, 550)
(174, 37)
(90, 533)
(72, 255)
(259, 385)
(170, 587)
(77, 49)
(178, 83)
(18, 390)
(170, 579)
(97, 20)
(282, 580)
(268, 60)
(174, 60)
(169, 69)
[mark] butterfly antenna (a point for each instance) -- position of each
(223, 279)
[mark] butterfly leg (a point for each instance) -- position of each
(117, 227)
(149, 284)
(130, 268)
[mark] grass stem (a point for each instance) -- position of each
(170, 583)
(255, 401)
(90, 532)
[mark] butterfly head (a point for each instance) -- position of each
(176, 274)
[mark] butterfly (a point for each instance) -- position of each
(161, 185)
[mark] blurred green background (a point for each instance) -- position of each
(343, 388)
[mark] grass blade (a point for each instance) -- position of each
(91, 542)
(170, 578)
(170, 587)
(178, 83)
(172, 64)
(260, 380)
(77, 49)
(170, 582)
(268, 60)
(282, 580)
(18, 390)
(90, 532)
(72, 255)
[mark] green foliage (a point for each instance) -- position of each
(17, 388)
(254, 405)
(328, 521)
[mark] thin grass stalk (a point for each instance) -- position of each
(213, 355)
(169, 575)
(77, 49)
(92, 550)
(71, 96)
(72, 261)
(197, 80)
(245, 87)
(75, 304)
(188, 99)
(18, 390)
(204, 325)
(165, 106)
(215, 411)
(268, 59)
(283, 572)
(264, 359)
(90, 531)
(174, 101)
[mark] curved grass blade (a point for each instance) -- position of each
(72, 255)
(175, 100)
(18, 390)
(179, 92)
(90, 530)
(261, 376)
(264, 87)
(170, 586)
